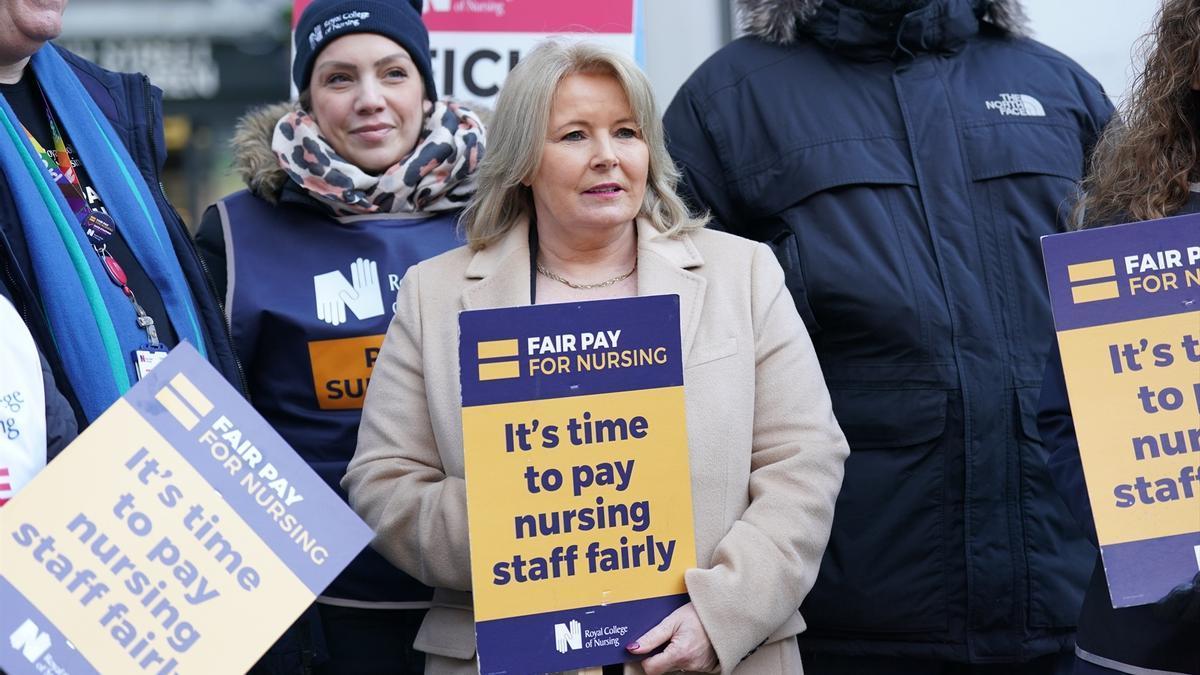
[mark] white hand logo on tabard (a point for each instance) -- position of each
(362, 295)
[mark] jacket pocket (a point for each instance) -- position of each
(447, 632)
(997, 150)
(449, 626)
(711, 351)
(1058, 557)
(878, 420)
(849, 234)
(1025, 177)
(783, 245)
(885, 567)
(800, 173)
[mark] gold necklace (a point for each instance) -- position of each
(583, 287)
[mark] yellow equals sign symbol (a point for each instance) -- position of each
(184, 401)
(1100, 274)
(498, 349)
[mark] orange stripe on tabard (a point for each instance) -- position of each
(341, 369)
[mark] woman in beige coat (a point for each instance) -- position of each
(577, 150)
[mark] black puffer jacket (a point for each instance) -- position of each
(903, 169)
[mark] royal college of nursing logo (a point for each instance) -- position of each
(568, 636)
(351, 19)
(29, 639)
(361, 294)
(314, 38)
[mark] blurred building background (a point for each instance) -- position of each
(214, 59)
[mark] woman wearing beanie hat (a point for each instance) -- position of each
(365, 177)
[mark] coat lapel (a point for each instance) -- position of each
(502, 271)
(663, 269)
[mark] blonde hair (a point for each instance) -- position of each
(518, 131)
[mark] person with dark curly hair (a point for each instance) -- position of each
(1145, 166)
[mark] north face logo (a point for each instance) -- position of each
(1023, 105)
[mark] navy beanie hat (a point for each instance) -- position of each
(324, 21)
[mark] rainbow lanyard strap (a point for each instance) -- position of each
(98, 226)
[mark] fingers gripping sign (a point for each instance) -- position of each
(687, 644)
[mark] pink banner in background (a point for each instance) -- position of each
(298, 9)
(474, 43)
(528, 16)
(519, 16)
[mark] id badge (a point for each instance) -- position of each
(146, 358)
(98, 226)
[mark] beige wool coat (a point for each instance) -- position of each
(766, 452)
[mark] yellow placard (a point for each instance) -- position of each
(1125, 441)
(543, 517)
(177, 534)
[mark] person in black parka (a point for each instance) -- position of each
(902, 158)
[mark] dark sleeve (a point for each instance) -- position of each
(1100, 109)
(1057, 429)
(208, 304)
(210, 243)
(61, 428)
(698, 156)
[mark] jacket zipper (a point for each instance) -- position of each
(148, 96)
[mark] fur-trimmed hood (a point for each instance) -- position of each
(781, 21)
(253, 157)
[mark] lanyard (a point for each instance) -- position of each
(98, 226)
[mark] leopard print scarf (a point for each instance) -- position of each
(439, 174)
